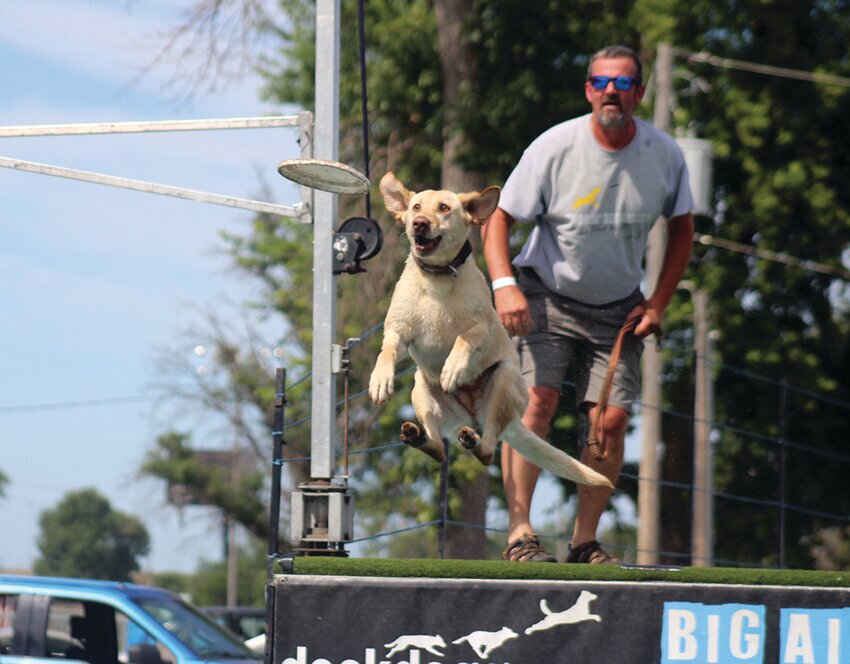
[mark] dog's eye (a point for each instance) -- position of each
(416, 207)
(444, 207)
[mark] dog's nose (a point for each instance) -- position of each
(421, 224)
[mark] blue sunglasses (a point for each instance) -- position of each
(620, 82)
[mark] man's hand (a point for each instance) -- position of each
(650, 321)
(512, 309)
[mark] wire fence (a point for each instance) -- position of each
(769, 511)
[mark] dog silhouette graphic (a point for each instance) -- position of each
(421, 641)
(578, 612)
(483, 643)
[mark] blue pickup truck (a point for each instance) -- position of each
(106, 622)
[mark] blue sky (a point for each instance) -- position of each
(94, 278)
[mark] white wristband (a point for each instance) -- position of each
(501, 282)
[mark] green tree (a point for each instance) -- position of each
(236, 488)
(4, 481)
(780, 187)
(208, 585)
(457, 89)
(84, 537)
(437, 100)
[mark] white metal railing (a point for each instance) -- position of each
(303, 121)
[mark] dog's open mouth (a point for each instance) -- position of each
(426, 245)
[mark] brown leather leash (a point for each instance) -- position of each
(596, 434)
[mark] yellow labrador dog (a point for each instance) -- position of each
(467, 383)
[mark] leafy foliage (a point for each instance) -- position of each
(208, 585)
(232, 487)
(84, 537)
(780, 185)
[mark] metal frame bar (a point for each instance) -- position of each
(88, 128)
(302, 121)
(153, 188)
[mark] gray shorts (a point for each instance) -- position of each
(569, 339)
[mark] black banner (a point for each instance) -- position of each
(362, 620)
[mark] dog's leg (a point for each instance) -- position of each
(470, 439)
(382, 381)
(429, 412)
(462, 366)
(411, 434)
(505, 398)
(503, 404)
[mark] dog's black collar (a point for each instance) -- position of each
(452, 267)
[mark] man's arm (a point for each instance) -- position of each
(511, 305)
(680, 240)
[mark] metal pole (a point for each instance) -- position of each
(444, 504)
(232, 564)
(85, 128)
(702, 533)
(277, 461)
(274, 507)
(232, 548)
(325, 214)
(649, 488)
(783, 432)
(296, 212)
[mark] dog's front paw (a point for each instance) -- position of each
(381, 385)
(454, 373)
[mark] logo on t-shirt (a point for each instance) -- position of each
(590, 199)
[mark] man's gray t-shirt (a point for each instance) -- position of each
(594, 208)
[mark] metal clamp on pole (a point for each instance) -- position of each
(322, 518)
(322, 510)
(358, 239)
(277, 462)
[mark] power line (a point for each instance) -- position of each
(768, 70)
(783, 72)
(77, 404)
(777, 257)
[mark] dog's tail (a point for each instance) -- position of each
(550, 458)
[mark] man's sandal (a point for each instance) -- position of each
(527, 549)
(590, 552)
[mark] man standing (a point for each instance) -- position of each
(593, 186)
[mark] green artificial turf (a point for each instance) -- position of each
(497, 569)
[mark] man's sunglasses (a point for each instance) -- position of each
(620, 82)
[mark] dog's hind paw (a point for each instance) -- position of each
(469, 438)
(411, 434)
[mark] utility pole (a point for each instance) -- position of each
(321, 509)
(232, 545)
(232, 562)
(649, 488)
(326, 146)
(698, 156)
(702, 535)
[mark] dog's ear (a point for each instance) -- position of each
(480, 205)
(396, 196)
